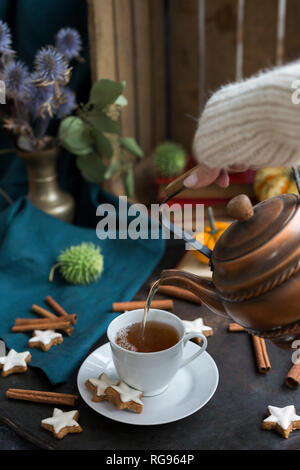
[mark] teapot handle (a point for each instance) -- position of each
(201, 287)
(177, 186)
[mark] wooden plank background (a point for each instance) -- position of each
(128, 43)
(220, 31)
(102, 39)
(292, 36)
(259, 35)
(184, 63)
(157, 71)
(123, 54)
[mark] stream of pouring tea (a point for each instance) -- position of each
(151, 294)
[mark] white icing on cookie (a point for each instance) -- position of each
(195, 325)
(102, 383)
(14, 359)
(61, 419)
(282, 416)
(44, 337)
(128, 393)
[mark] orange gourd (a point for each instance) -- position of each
(210, 236)
(271, 182)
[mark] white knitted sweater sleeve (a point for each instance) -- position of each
(253, 122)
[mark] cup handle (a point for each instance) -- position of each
(186, 338)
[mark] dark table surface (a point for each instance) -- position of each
(231, 420)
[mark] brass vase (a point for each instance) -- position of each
(44, 191)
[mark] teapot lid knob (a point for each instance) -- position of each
(240, 208)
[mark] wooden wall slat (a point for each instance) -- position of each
(292, 33)
(184, 58)
(124, 32)
(221, 27)
(158, 77)
(149, 16)
(142, 49)
(281, 23)
(260, 35)
(101, 39)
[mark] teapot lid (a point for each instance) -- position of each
(260, 249)
(254, 226)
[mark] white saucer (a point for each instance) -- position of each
(192, 387)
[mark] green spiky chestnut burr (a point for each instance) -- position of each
(80, 264)
(170, 159)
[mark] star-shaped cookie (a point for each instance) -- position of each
(284, 420)
(125, 397)
(14, 362)
(45, 339)
(98, 386)
(197, 325)
(62, 423)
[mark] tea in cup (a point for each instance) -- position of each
(148, 360)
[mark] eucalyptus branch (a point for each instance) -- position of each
(94, 131)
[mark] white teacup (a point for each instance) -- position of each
(153, 371)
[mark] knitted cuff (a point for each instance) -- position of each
(255, 122)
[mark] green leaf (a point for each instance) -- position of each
(111, 170)
(128, 178)
(103, 144)
(121, 101)
(91, 167)
(101, 122)
(130, 144)
(105, 92)
(75, 136)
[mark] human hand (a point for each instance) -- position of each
(204, 175)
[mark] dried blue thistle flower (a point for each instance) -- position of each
(41, 100)
(67, 104)
(50, 66)
(16, 78)
(68, 43)
(17, 126)
(35, 98)
(5, 39)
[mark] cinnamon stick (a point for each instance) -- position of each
(179, 293)
(56, 307)
(24, 321)
(261, 354)
(42, 397)
(46, 314)
(37, 322)
(235, 327)
(260, 349)
(72, 317)
(162, 304)
(292, 379)
(49, 325)
(69, 318)
(42, 312)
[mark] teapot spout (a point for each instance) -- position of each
(203, 288)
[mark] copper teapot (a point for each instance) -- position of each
(255, 269)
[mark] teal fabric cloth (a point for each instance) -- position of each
(30, 241)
